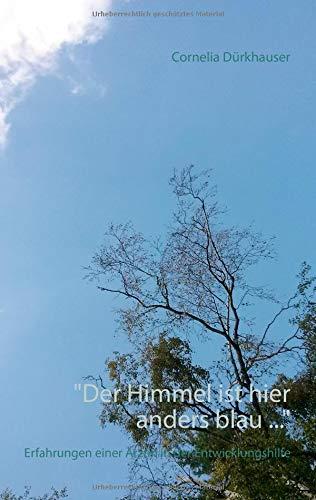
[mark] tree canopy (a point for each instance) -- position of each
(54, 494)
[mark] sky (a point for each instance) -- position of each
(94, 117)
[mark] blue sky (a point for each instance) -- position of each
(93, 139)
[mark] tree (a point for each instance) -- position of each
(195, 284)
(53, 495)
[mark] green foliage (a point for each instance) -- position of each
(53, 495)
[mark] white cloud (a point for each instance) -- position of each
(33, 32)
(85, 85)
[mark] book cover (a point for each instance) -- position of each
(157, 201)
